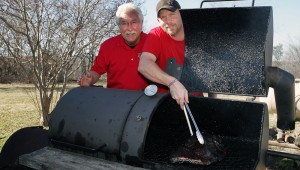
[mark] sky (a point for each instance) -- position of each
(286, 16)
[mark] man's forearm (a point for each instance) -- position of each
(154, 73)
(95, 77)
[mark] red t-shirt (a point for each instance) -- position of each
(163, 46)
(120, 62)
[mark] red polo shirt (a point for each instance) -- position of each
(120, 62)
(163, 46)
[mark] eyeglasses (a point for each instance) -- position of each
(133, 23)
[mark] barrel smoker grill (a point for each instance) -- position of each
(228, 50)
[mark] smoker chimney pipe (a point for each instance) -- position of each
(284, 90)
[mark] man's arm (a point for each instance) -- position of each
(153, 72)
(89, 79)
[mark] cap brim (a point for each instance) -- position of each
(166, 8)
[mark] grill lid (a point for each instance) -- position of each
(227, 50)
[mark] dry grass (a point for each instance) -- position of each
(17, 109)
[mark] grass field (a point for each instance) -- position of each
(17, 109)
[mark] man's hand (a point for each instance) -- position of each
(149, 68)
(179, 93)
(85, 80)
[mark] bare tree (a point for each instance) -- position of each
(288, 59)
(293, 58)
(277, 54)
(50, 39)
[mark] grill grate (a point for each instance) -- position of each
(168, 131)
(240, 154)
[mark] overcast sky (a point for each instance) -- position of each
(286, 15)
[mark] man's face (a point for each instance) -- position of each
(130, 28)
(170, 22)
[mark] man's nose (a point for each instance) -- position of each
(129, 26)
(168, 20)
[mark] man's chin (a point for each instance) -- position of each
(170, 32)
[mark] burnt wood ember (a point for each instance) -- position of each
(194, 153)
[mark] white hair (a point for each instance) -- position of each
(128, 8)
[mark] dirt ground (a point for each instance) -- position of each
(280, 162)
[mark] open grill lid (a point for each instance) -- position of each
(227, 50)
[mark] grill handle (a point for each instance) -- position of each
(253, 1)
(77, 147)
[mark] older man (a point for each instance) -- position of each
(119, 55)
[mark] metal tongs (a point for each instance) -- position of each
(198, 133)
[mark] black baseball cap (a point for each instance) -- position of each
(170, 5)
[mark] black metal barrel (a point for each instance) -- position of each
(144, 131)
(97, 119)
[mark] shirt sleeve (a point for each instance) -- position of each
(153, 44)
(100, 63)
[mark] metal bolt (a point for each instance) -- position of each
(138, 118)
